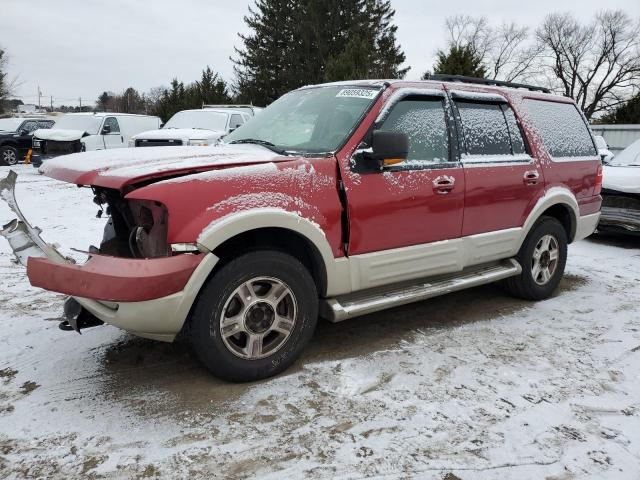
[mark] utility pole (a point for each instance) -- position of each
(39, 97)
(80, 100)
(52, 103)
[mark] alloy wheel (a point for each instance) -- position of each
(258, 318)
(9, 156)
(545, 259)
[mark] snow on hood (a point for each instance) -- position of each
(59, 134)
(621, 178)
(124, 166)
(184, 134)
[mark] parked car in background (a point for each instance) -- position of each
(337, 200)
(16, 135)
(603, 149)
(192, 127)
(248, 109)
(621, 192)
(80, 132)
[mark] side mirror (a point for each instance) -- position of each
(388, 148)
(24, 131)
(106, 130)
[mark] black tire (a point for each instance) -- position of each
(8, 156)
(216, 298)
(525, 285)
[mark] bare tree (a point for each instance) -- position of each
(505, 51)
(511, 57)
(598, 64)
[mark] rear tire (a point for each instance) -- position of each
(8, 156)
(254, 316)
(543, 256)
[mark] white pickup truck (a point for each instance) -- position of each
(195, 127)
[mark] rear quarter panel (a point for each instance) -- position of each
(577, 174)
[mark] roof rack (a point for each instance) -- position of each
(485, 81)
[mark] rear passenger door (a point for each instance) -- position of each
(503, 182)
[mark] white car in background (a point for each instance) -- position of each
(85, 132)
(603, 149)
(621, 192)
(193, 127)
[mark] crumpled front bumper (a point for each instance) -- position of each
(148, 297)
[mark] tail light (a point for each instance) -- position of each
(598, 186)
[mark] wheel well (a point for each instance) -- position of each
(281, 239)
(565, 216)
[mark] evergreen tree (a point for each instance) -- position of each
(629, 112)
(459, 60)
(103, 101)
(210, 89)
(298, 42)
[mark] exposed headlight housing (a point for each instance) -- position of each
(36, 143)
(199, 142)
(132, 142)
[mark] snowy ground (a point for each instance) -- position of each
(474, 385)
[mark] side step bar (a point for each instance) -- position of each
(361, 303)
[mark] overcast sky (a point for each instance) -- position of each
(79, 48)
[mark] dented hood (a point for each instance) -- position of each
(59, 135)
(121, 167)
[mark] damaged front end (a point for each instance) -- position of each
(620, 211)
(133, 280)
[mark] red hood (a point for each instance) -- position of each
(126, 166)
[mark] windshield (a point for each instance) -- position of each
(312, 120)
(10, 124)
(201, 119)
(86, 123)
(630, 156)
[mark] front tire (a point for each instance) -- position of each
(254, 316)
(8, 155)
(543, 256)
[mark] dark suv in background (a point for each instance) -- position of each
(15, 137)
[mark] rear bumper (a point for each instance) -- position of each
(586, 225)
(148, 297)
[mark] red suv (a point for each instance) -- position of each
(336, 201)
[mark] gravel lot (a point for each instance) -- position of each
(474, 385)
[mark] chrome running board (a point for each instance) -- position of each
(361, 303)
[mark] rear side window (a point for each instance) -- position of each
(424, 122)
(484, 129)
(517, 142)
(29, 126)
(562, 128)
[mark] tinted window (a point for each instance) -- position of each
(424, 121)
(29, 126)
(113, 123)
(517, 142)
(45, 124)
(484, 129)
(563, 131)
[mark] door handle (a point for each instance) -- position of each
(443, 184)
(531, 177)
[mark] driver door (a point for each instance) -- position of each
(405, 221)
(113, 138)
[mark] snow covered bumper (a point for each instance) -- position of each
(148, 297)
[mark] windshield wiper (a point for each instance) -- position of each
(262, 143)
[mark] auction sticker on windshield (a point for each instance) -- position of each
(357, 93)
